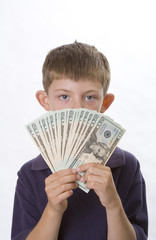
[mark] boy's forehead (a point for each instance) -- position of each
(67, 83)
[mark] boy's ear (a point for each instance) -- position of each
(43, 99)
(108, 99)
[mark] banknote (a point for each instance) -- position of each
(70, 122)
(69, 145)
(36, 134)
(98, 145)
(82, 134)
(71, 137)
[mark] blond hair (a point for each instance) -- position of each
(76, 61)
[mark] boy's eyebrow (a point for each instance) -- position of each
(62, 89)
(66, 90)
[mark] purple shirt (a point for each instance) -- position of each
(85, 217)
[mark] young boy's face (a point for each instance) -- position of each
(66, 93)
(71, 94)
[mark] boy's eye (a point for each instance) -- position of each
(90, 98)
(64, 97)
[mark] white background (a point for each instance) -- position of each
(125, 31)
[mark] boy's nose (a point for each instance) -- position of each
(77, 104)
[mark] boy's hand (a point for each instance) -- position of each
(99, 178)
(58, 187)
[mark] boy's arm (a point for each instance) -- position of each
(99, 178)
(48, 226)
(119, 226)
(58, 188)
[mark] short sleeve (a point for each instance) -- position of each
(25, 213)
(133, 196)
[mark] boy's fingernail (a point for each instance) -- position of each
(74, 170)
(78, 169)
(81, 179)
(78, 177)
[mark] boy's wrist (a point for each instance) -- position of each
(52, 213)
(115, 206)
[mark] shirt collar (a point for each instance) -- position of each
(38, 164)
(116, 160)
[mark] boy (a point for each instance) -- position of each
(51, 206)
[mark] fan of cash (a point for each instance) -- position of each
(71, 137)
